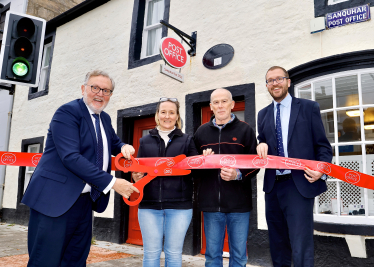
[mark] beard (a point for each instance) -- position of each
(281, 96)
(94, 109)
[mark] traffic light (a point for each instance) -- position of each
(21, 49)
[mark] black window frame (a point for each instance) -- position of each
(136, 34)
(21, 174)
(33, 91)
(321, 7)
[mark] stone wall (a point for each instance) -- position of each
(48, 9)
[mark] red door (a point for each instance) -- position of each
(141, 128)
(206, 114)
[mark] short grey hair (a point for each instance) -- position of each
(98, 73)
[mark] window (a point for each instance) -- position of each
(30, 170)
(30, 145)
(346, 101)
(146, 31)
(152, 31)
(43, 88)
(45, 65)
(334, 2)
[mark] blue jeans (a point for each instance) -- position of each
(170, 225)
(237, 230)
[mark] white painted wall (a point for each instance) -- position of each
(17, 5)
(263, 33)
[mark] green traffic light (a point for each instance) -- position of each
(20, 69)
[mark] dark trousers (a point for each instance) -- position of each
(289, 216)
(61, 241)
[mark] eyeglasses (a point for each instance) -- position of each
(96, 89)
(163, 99)
(277, 80)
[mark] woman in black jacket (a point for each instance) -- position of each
(166, 209)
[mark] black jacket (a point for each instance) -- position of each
(167, 192)
(215, 194)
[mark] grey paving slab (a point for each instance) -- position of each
(13, 241)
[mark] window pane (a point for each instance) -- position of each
(348, 127)
(353, 199)
(367, 84)
(346, 91)
(325, 199)
(33, 149)
(153, 43)
(240, 115)
(155, 12)
(145, 132)
(43, 78)
(328, 123)
(47, 56)
(370, 171)
(369, 123)
(352, 196)
(323, 92)
(306, 92)
(29, 170)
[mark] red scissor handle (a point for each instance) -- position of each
(140, 185)
(163, 169)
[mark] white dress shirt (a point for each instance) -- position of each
(106, 155)
(285, 112)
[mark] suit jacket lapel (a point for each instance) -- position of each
(295, 107)
(87, 117)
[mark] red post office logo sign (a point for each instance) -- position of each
(35, 159)
(173, 52)
(260, 162)
(352, 177)
(227, 161)
(8, 158)
(195, 162)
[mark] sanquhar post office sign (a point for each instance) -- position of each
(348, 16)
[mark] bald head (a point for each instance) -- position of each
(221, 104)
(220, 91)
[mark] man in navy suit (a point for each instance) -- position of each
(291, 127)
(73, 177)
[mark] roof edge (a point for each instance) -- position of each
(73, 13)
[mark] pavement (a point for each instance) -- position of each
(13, 251)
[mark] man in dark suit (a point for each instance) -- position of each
(291, 127)
(73, 177)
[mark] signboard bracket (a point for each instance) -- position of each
(192, 38)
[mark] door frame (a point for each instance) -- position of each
(125, 131)
(194, 102)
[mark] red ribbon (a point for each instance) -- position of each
(218, 161)
(271, 162)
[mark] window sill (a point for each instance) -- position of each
(37, 94)
(144, 61)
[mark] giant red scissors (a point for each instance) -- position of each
(163, 168)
